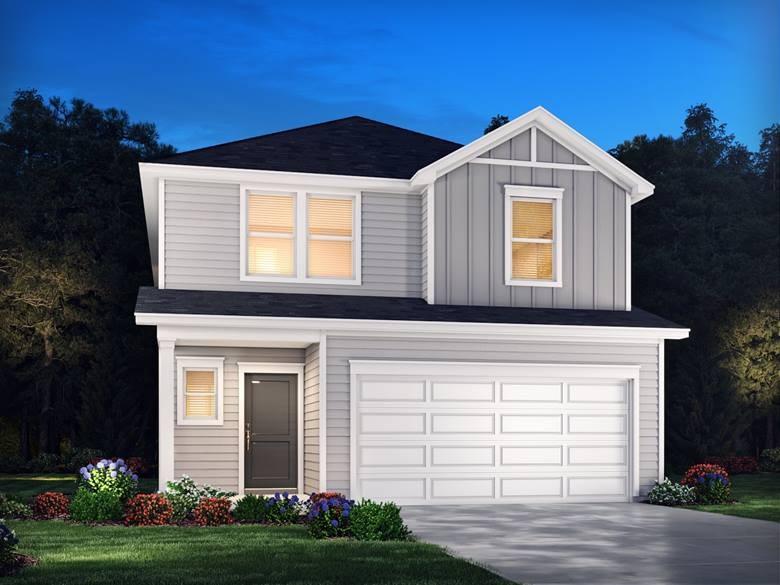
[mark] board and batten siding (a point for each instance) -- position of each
(202, 243)
(470, 240)
(311, 419)
(209, 454)
(342, 349)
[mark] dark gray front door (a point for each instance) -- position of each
(271, 431)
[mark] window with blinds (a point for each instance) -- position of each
(271, 235)
(532, 239)
(330, 234)
(200, 394)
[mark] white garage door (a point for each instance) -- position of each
(444, 433)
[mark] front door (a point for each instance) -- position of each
(271, 431)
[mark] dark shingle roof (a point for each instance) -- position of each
(192, 302)
(350, 146)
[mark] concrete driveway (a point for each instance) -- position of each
(605, 543)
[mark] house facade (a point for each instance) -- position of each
(357, 307)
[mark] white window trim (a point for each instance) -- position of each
(300, 234)
(526, 192)
(199, 363)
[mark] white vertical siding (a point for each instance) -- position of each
(342, 349)
(311, 419)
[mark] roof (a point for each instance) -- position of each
(307, 306)
(353, 146)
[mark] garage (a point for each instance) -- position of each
(455, 432)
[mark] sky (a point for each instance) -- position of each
(211, 72)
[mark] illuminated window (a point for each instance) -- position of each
(330, 237)
(271, 235)
(533, 236)
(199, 390)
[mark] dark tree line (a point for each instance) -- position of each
(73, 250)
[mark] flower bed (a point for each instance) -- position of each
(735, 464)
(710, 482)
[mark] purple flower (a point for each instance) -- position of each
(294, 499)
(135, 477)
(345, 513)
(83, 470)
(113, 474)
(334, 523)
(90, 467)
(112, 465)
(101, 464)
(120, 461)
(324, 506)
(276, 495)
(122, 469)
(285, 495)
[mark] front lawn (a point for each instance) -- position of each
(76, 554)
(26, 485)
(757, 495)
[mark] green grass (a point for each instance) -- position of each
(757, 495)
(76, 554)
(26, 485)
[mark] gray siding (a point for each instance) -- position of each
(342, 349)
(202, 235)
(424, 239)
(469, 232)
(210, 454)
(311, 420)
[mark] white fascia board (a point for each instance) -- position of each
(150, 185)
(276, 178)
(219, 323)
(637, 187)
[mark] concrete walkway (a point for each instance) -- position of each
(615, 544)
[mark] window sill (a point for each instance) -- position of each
(199, 423)
(538, 283)
(299, 280)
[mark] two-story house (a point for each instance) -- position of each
(357, 307)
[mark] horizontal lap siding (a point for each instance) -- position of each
(342, 349)
(210, 454)
(311, 420)
(202, 243)
(469, 232)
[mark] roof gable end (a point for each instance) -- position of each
(638, 187)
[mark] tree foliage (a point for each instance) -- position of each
(496, 122)
(705, 244)
(73, 252)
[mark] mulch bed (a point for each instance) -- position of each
(18, 563)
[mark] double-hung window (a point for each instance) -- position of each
(533, 236)
(199, 390)
(300, 237)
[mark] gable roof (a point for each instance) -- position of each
(353, 146)
(637, 187)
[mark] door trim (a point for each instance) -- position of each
(629, 372)
(267, 368)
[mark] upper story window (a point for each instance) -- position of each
(533, 251)
(300, 237)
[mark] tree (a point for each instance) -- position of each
(496, 122)
(751, 340)
(73, 252)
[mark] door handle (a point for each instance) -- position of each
(248, 436)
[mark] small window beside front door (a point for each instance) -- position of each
(199, 391)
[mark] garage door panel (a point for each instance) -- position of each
(462, 423)
(462, 392)
(454, 455)
(433, 438)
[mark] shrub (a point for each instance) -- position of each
(50, 505)
(770, 460)
(11, 507)
(283, 509)
(710, 482)
(250, 508)
(734, 464)
(184, 495)
(12, 464)
(109, 476)
(212, 512)
(45, 463)
(669, 493)
(328, 517)
(317, 496)
(80, 457)
(8, 544)
(148, 510)
(378, 521)
(138, 465)
(90, 506)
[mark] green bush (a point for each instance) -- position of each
(88, 506)
(81, 457)
(111, 476)
(378, 521)
(12, 507)
(328, 517)
(8, 543)
(669, 493)
(283, 509)
(184, 496)
(770, 460)
(250, 508)
(46, 463)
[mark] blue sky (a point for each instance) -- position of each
(211, 72)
